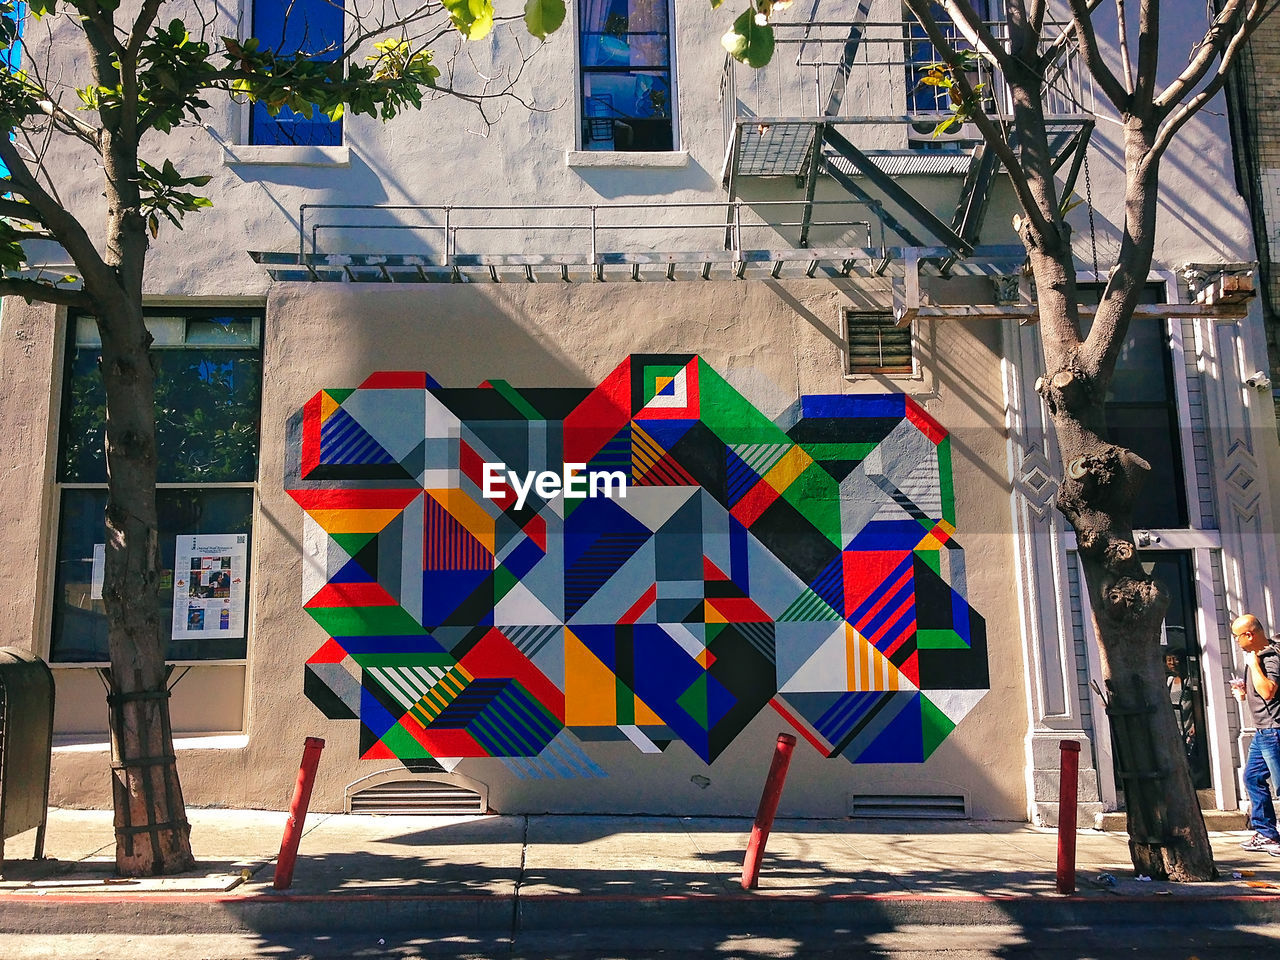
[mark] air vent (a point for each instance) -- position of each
(417, 797)
(907, 807)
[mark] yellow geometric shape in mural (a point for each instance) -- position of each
(327, 406)
(645, 717)
(345, 520)
(869, 669)
(470, 515)
(784, 473)
(590, 699)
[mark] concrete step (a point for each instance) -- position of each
(1116, 820)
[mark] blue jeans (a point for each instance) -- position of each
(1259, 770)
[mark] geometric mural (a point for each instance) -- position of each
(710, 563)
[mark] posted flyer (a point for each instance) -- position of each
(208, 585)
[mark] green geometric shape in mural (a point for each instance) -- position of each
(652, 372)
(400, 742)
(694, 701)
(809, 608)
(940, 640)
(392, 621)
(935, 725)
(816, 497)
(352, 543)
(931, 559)
(503, 581)
(729, 415)
(945, 483)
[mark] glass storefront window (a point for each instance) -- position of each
(208, 400)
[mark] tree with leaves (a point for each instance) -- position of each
(1102, 480)
(145, 74)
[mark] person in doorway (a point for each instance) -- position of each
(1259, 690)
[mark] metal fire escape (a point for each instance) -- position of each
(833, 167)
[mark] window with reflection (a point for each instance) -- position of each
(1142, 411)
(305, 26)
(625, 59)
(208, 389)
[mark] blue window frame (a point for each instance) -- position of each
(625, 57)
(305, 26)
(11, 56)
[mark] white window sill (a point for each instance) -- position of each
(626, 159)
(223, 741)
(276, 156)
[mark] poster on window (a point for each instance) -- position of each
(208, 585)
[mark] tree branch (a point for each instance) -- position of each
(990, 132)
(34, 290)
(16, 210)
(70, 234)
(1081, 11)
(1122, 32)
(70, 124)
(1178, 118)
(141, 25)
(1148, 56)
(1219, 36)
(973, 29)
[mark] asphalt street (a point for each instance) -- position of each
(917, 942)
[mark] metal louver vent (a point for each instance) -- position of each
(877, 344)
(420, 797)
(908, 807)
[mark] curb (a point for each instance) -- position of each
(144, 914)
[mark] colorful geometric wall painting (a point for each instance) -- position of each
(803, 565)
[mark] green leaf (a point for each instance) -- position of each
(473, 18)
(41, 7)
(716, 4)
(748, 41)
(543, 17)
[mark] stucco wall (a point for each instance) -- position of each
(769, 342)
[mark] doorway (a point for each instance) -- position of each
(1184, 678)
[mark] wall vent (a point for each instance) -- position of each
(416, 797)
(908, 806)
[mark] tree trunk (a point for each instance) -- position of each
(152, 833)
(1101, 484)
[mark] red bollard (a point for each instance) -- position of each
(298, 812)
(768, 807)
(1068, 778)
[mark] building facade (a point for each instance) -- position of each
(403, 366)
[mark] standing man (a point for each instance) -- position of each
(1258, 689)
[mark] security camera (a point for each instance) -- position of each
(1258, 380)
(1145, 538)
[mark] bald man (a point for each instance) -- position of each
(1259, 691)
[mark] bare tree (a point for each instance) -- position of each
(1102, 480)
(135, 77)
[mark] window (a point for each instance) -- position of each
(1142, 412)
(305, 26)
(208, 389)
(625, 55)
(932, 101)
(877, 344)
(11, 55)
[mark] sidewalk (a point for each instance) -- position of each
(545, 872)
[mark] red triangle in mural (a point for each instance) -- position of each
(711, 572)
(351, 595)
(331, 652)
(379, 751)
(911, 667)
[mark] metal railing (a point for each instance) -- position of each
(883, 76)
(581, 232)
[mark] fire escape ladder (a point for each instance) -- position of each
(835, 98)
(975, 194)
(901, 198)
